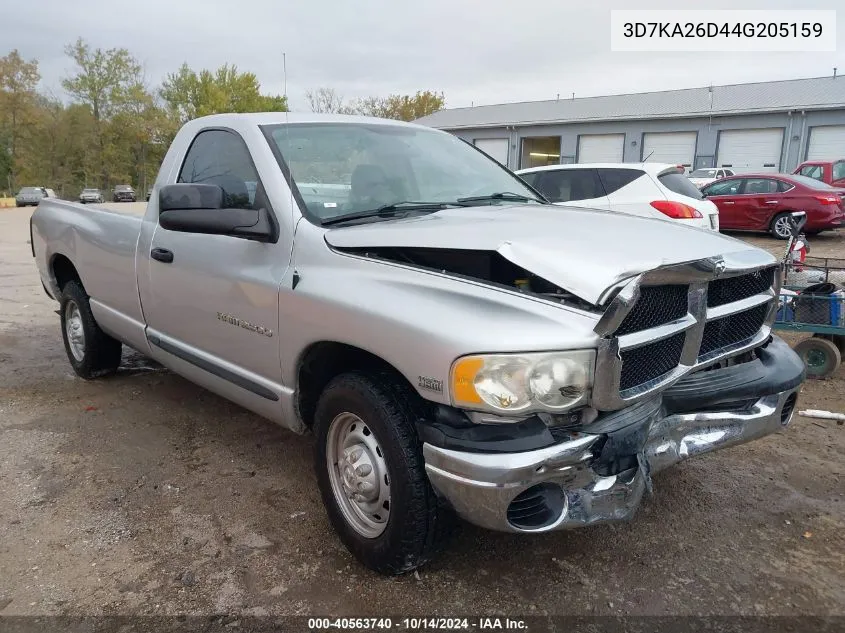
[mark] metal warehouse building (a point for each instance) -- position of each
(770, 126)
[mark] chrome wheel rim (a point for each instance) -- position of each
(358, 475)
(75, 332)
(782, 227)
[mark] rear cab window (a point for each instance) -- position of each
(839, 170)
(813, 171)
(680, 184)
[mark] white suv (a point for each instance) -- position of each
(653, 190)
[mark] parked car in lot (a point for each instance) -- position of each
(763, 202)
(831, 172)
(31, 196)
(91, 195)
(652, 190)
(454, 342)
(702, 177)
(124, 193)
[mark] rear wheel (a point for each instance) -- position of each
(371, 473)
(821, 356)
(781, 226)
(92, 353)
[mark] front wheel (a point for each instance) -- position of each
(781, 226)
(92, 353)
(371, 473)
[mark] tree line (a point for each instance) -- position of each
(110, 127)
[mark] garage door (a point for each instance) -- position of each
(600, 148)
(827, 142)
(495, 148)
(750, 150)
(677, 148)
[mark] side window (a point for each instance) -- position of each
(759, 186)
(784, 186)
(723, 188)
(531, 178)
(569, 185)
(720, 173)
(219, 157)
(614, 179)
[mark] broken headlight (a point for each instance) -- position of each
(519, 383)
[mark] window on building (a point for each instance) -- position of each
(539, 151)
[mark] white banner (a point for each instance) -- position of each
(723, 30)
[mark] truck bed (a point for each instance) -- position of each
(100, 240)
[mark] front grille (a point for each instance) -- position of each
(732, 329)
(651, 361)
(656, 305)
(722, 291)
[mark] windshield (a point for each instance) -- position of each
(123, 188)
(345, 168)
(90, 191)
(703, 173)
(812, 183)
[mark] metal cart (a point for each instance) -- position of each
(812, 300)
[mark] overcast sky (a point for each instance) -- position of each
(481, 51)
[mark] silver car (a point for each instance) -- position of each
(91, 196)
(30, 196)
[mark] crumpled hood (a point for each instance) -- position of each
(584, 251)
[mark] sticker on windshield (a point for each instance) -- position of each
(330, 205)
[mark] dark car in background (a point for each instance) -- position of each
(30, 196)
(91, 196)
(124, 193)
(763, 202)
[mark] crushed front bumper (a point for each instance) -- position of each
(601, 472)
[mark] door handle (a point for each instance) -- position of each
(162, 255)
(771, 201)
(727, 202)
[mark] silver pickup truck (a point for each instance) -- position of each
(455, 343)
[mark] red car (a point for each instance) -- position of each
(762, 202)
(830, 171)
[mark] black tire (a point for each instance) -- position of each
(417, 525)
(100, 353)
(821, 356)
(780, 226)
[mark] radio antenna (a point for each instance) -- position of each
(645, 160)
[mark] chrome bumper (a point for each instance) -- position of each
(482, 486)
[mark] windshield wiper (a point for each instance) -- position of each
(501, 195)
(391, 210)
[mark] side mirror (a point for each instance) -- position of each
(193, 208)
(185, 196)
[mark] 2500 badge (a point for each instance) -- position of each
(228, 318)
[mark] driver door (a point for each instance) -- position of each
(212, 307)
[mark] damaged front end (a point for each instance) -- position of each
(599, 472)
(484, 266)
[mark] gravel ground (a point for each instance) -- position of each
(143, 494)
